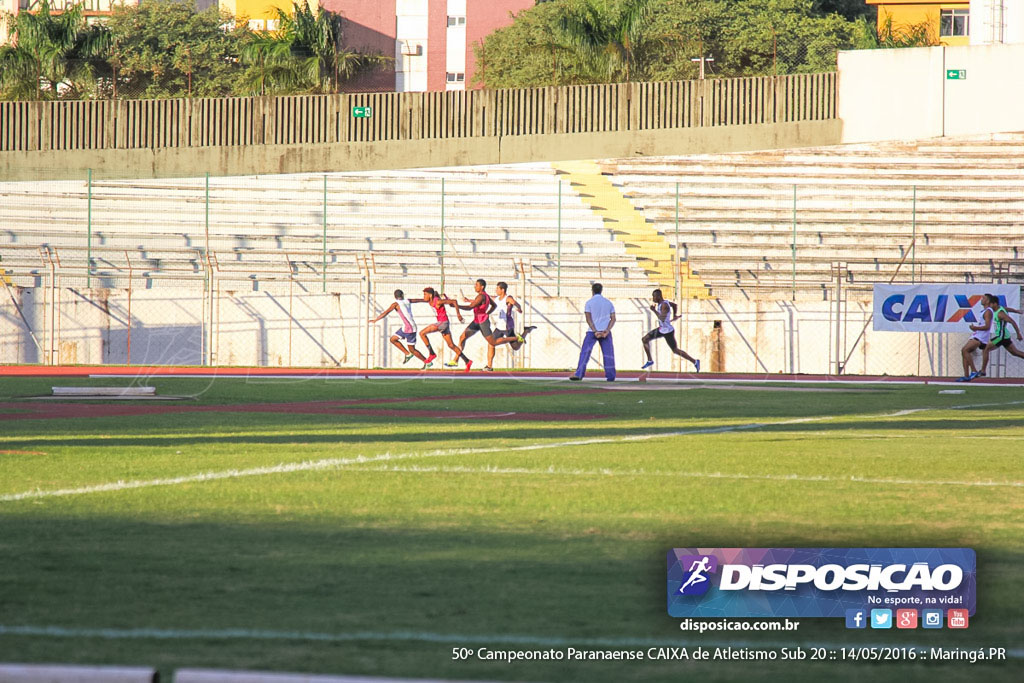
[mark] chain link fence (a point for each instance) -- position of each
(289, 270)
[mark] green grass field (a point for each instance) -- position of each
(426, 532)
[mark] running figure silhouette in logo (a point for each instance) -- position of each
(697, 570)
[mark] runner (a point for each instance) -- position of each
(979, 340)
(506, 332)
(664, 310)
(408, 331)
(1001, 333)
(438, 303)
(482, 306)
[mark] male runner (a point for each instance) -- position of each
(482, 306)
(506, 332)
(1001, 333)
(979, 340)
(664, 310)
(443, 325)
(408, 332)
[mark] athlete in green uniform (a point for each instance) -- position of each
(1001, 323)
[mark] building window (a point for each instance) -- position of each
(456, 77)
(456, 21)
(955, 22)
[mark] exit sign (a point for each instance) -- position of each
(362, 112)
(956, 74)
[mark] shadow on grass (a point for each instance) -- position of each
(335, 577)
(418, 430)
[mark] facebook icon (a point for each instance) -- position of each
(856, 618)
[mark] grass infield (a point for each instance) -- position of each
(424, 532)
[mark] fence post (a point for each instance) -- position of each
(325, 236)
(558, 280)
(206, 205)
(88, 254)
(678, 264)
(793, 247)
(913, 240)
(442, 235)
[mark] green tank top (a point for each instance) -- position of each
(1000, 332)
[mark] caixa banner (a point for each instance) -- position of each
(817, 582)
(935, 308)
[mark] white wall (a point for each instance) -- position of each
(997, 21)
(904, 93)
(411, 31)
(278, 327)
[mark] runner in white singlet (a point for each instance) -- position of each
(982, 332)
(664, 310)
(506, 332)
(407, 333)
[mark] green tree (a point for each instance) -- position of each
(905, 35)
(165, 48)
(306, 54)
(610, 40)
(607, 35)
(765, 37)
(529, 52)
(51, 55)
(679, 33)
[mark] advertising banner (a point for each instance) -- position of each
(935, 308)
(817, 582)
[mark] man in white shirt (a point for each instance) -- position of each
(601, 318)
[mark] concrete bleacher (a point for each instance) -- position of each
(499, 223)
(951, 210)
(858, 205)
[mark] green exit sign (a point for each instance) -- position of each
(362, 112)
(956, 74)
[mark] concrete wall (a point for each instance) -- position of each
(997, 21)
(368, 156)
(280, 327)
(904, 93)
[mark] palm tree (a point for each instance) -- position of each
(305, 54)
(50, 55)
(606, 35)
(273, 70)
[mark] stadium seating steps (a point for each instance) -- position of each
(858, 205)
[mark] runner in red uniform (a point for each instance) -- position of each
(438, 303)
(482, 306)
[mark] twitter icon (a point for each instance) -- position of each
(881, 618)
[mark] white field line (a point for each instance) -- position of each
(427, 637)
(334, 463)
(684, 475)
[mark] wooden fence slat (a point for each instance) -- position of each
(317, 119)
